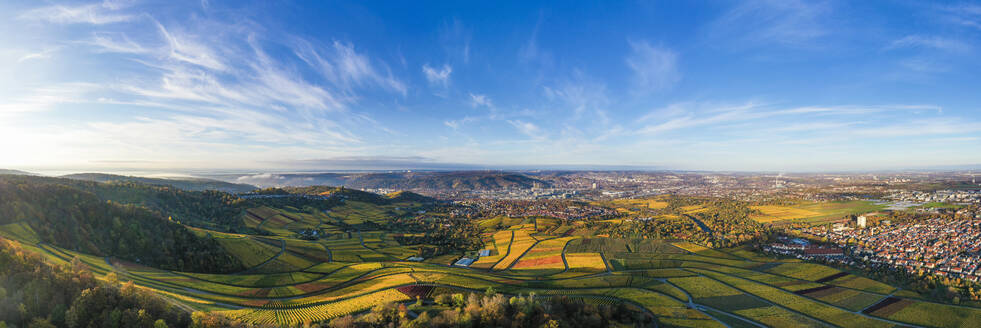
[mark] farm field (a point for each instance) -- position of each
(290, 281)
(543, 259)
(638, 205)
(812, 211)
(520, 243)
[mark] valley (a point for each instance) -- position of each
(301, 255)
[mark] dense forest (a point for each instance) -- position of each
(75, 219)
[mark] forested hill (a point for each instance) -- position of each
(463, 180)
(63, 213)
(190, 184)
(35, 293)
(208, 209)
(469, 180)
(352, 194)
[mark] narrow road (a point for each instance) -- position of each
(691, 303)
(526, 252)
(249, 270)
(902, 324)
(564, 261)
(505, 254)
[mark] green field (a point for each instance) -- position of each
(290, 281)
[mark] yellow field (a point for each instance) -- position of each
(589, 262)
(777, 213)
(522, 242)
(691, 247)
(692, 209)
(501, 241)
(627, 205)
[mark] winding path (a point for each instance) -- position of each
(250, 270)
(505, 254)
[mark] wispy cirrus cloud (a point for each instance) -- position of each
(343, 66)
(769, 117)
(654, 68)
(527, 128)
(480, 100)
(784, 22)
(97, 14)
(438, 76)
(43, 54)
(965, 15)
(930, 42)
(220, 93)
(47, 97)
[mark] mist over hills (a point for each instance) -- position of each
(15, 172)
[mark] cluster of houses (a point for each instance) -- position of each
(805, 250)
(945, 247)
(942, 196)
(520, 208)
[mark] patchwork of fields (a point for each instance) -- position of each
(291, 281)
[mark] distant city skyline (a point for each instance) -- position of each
(777, 86)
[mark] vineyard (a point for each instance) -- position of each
(292, 281)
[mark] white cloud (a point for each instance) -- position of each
(924, 65)
(787, 22)
(184, 48)
(115, 43)
(43, 54)
(581, 94)
(762, 116)
(344, 67)
(45, 98)
(919, 41)
(206, 95)
(967, 15)
(527, 128)
(479, 100)
(439, 76)
(655, 68)
(97, 14)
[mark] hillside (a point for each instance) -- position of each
(40, 292)
(49, 211)
(189, 184)
(315, 259)
(408, 196)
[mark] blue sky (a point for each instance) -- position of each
(715, 85)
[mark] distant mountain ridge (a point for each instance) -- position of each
(351, 194)
(460, 180)
(15, 172)
(189, 184)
